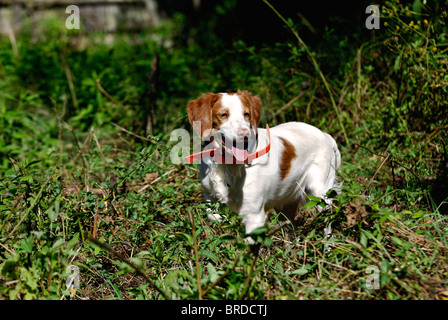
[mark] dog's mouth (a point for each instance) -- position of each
(239, 149)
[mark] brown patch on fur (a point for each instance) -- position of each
(217, 115)
(200, 112)
(289, 153)
(254, 105)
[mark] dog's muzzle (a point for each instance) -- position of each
(239, 148)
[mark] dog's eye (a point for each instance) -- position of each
(247, 115)
(224, 115)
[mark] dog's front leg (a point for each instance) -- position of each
(253, 220)
(215, 190)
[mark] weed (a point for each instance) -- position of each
(82, 183)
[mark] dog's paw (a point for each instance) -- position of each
(212, 216)
(211, 209)
(249, 240)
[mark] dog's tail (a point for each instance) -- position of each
(336, 163)
(337, 154)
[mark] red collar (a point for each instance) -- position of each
(223, 159)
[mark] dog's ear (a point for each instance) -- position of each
(200, 113)
(254, 104)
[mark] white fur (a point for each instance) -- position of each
(252, 189)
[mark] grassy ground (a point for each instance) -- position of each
(82, 184)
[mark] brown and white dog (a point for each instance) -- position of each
(302, 159)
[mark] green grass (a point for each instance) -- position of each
(77, 189)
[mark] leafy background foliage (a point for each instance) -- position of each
(76, 162)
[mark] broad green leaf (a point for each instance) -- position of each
(310, 205)
(299, 272)
(212, 272)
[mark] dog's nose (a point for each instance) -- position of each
(242, 133)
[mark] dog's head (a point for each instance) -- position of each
(230, 120)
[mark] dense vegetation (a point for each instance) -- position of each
(84, 181)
